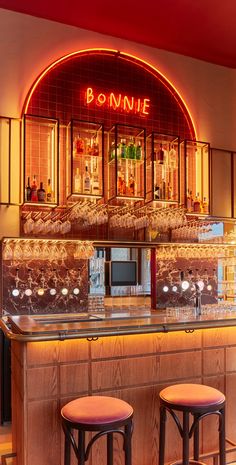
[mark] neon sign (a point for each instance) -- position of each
(117, 101)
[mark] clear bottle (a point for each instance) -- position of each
(86, 181)
(77, 181)
(172, 158)
(34, 188)
(49, 193)
(28, 191)
(95, 182)
(197, 204)
(41, 193)
(205, 205)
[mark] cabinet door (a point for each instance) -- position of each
(221, 183)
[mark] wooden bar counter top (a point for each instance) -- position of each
(131, 355)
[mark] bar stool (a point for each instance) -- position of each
(200, 401)
(107, 415)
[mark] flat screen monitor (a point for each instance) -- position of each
(123, 273)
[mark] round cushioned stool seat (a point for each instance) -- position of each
(95, 410)
(192, 395)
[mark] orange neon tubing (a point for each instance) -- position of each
(128, 56)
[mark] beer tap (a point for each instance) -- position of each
(15, 291)
(28, 291)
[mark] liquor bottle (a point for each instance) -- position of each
(139, 151)
(34, 196)
(131, 185)
(86, 181)
(172, 158)
(79, 145)
(95, 146)
(160, 155)
(189, 201)
(205, 205)
(49, 194)
(121, 186)
(131, 152)
(197, 204)
(169, 192)
(163, 189)
(77, 181)
(41, 193)
(123, 148)
(95, 182)
(28, 191)
(113, 151)
(88, 146)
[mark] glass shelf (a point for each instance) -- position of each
(41, 160)
(126, 164)
(85, 159)
(162, 168)
(195, 176)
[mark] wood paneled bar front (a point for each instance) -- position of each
(123, 356)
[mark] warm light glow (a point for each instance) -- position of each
(185, 285)
(200, 285)
(52, 291)
(117, 101)
(76, 291)
(15, 292)
(165, 289)
(40, 291)
(128, 56)
(174, 288)
(64, 291)
(28, 292)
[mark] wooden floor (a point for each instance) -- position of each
(5, 442)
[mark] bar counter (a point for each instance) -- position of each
(130, 355)
(114, 323)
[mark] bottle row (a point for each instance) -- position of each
(123, 160)
(196, 205)
(33, 193)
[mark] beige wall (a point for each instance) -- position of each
(28, 45)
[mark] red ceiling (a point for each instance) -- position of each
(203, 29)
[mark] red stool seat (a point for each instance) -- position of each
(101, 415)
(192, 395)
(94, 410)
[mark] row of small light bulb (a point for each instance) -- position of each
(185, 286)
(41, 291)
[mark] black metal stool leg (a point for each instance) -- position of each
(196, 439)
(81, 448)
(222, 436)
(127, 443)
(109, 449)
(67, 451)
(162, 435)
(185, 438)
